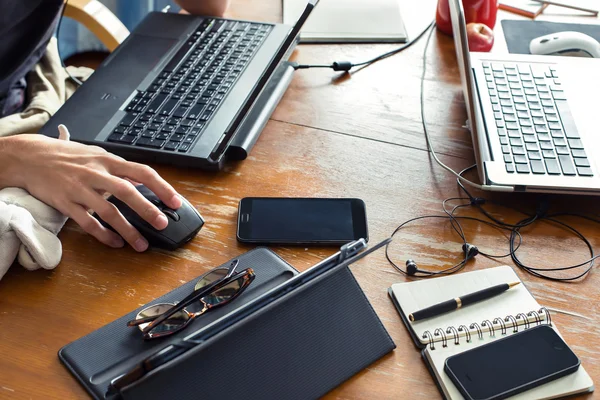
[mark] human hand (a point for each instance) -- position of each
(73, 178)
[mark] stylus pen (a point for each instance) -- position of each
(461, 301)
(565, 5)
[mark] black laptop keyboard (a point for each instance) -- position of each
(173, 113)
(535, 126)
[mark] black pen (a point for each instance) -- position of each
(459, 302)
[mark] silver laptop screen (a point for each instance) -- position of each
(459, 29)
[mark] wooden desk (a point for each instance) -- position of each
(331, 136)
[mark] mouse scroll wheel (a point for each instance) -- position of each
(171, 214)
(544, 40)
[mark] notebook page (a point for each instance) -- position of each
(577, 382)
(413, 296)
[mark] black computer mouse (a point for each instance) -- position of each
(184, 223)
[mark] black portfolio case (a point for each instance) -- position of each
(298, 347)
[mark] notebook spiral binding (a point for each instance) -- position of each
(497, 325)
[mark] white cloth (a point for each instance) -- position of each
(28, 227)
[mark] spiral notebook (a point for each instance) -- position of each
(475, 325)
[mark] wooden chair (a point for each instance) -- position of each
(99, 20)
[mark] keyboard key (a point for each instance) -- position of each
(581, 162)
(115, 137)
(520, 159)
(128, 139)
(575, 144)
(537, 167)
(546, 145)
(162, 136)
(539, 121)
(128, 119)
(562, 150)
(566, 164)
(180, 112)
(554, 125)
(119, 130)
(534, 155)
(177, 137)
(527, 130)
(560, 141)
(559, 96)
(171, 146)
(167, 108)
(584, 171)
(552, 166)
(516, 142)
(156, 103)
(518, 150)
(532, 146)
(530, 139)
(507, 158)
(153, 126)
(147, 142)
(148, 134)
(541, 128)
(182, 130)
(506, 149)
(557, 133)
(184, 147)
(548, 154)
(522, 168)
(578, 153)
(510, 168)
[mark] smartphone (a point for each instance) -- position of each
(317, 221)
(512, 364)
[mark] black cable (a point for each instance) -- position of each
(62, 14)
(347, 65)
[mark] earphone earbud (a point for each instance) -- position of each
(411, 267)
(469, 251)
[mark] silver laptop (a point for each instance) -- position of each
(534, 120)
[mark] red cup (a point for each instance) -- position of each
(482, 11)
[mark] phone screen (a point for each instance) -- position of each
(512, 365)
(301, 220)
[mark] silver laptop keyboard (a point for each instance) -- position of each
(535, 126)
(173, 113)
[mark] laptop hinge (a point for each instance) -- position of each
(257, 117)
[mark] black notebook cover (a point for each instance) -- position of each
(518, 34)
(106, 353)
(300, 346)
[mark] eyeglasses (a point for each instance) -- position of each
(215, 288)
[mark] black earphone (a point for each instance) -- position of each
(469, 251)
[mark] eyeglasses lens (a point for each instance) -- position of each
(171, 324)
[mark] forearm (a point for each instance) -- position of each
(9, 160)
(205, 7)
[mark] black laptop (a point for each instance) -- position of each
(184, 90)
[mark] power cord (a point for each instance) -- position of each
(62, 14)
(348, 65)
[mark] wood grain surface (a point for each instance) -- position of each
(356, 135)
